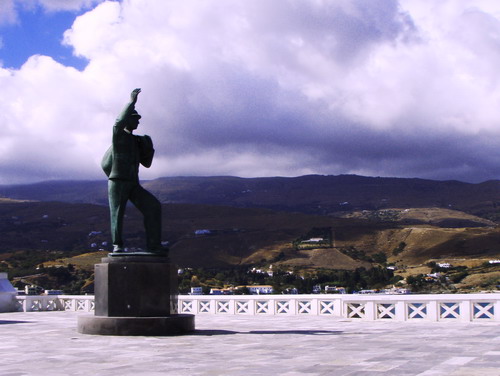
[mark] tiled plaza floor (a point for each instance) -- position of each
(47, 343)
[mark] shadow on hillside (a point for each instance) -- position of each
(301, 332)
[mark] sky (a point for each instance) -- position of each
(392, 88)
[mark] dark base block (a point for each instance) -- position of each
(136, 326)
(130, 287)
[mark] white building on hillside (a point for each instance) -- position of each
(261, 289)
(196, 291)
(335, 290)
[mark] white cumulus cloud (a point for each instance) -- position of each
(260, 88)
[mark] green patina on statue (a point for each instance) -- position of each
(121, 164)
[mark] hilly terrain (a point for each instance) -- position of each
(226, 222)
(204, 236)
(312, 194)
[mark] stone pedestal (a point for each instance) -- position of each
(136, 295)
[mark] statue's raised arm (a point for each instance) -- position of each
(129, 110)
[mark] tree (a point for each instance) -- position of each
(242, 291)
(195, 282)
(400, 248)
(416, 283)
(379, 257)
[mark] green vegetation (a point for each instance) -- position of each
(23, 263)
(458, 277)
(416, 282)
(400, 248)
(379, 258)
(385, 215)
(356, 254)
(66, 278)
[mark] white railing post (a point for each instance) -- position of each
(401, 311)
(496, 310)
(370, 310)
(337, 308)
(466, 311)
(432, 310)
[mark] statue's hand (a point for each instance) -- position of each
(134, 95)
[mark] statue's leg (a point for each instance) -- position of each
(150, 208)
(118, 192)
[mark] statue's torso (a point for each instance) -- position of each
(126, 156)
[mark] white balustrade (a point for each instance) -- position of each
(30, 303)
(432, 307)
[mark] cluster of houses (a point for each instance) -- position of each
(254, 290)
(391, 291)
(317, 289)
(37, 290)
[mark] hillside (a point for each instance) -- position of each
(239, 236)
(438, 217)
(410, 222)
(236, 235)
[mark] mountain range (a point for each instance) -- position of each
(312, 194)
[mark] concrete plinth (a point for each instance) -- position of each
(136, 295)
(136, 326)
(135, 287)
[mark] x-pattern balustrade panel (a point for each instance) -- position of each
(417, 310)
(386, 310)
(449, 310)
(304, 307)
(36, 305)
(242, 307)
(483, 310)
(327, 307)
(187, 306)
(81, 305)
(262, 307)
(68, 304)
(284, 306)
(355, 310)
(204, 306)
(222, 306)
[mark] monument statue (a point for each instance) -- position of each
(136, 293)
(121, 164)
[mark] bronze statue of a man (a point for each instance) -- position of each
(121, 165)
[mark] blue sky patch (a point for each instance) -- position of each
(38, 33)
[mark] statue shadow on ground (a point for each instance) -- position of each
(301, 332)
(7, 322)
(210, 332)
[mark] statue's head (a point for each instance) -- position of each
(133, 121)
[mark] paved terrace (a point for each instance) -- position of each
(47, 343)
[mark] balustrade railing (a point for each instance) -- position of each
(453, 307)
(31, 303)
(432, 307)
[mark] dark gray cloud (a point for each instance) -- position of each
(260, 88)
